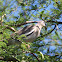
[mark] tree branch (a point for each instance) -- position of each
(35, 22)
(24, 23)
(11, 28)
(8, 59)
(54, 22)
(35, 56)
(49, 32)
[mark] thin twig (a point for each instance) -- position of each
(54, 22)
(11, 28)
(49, 32)
(35, 56)
(8, 59)
(32, 54)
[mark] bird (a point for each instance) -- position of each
(31, 32)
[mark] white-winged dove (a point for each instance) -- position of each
(31, 31)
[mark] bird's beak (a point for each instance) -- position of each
(44, 25)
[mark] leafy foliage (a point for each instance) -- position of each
(46, 48)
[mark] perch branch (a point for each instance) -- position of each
(35, 22)
(12, 29)
(24, 23)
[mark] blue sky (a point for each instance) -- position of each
(19, 9)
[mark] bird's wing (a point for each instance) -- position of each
(32, 29)
(26, 30)
(30, 32)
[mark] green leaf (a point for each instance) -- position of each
(41, 13)
(2, 44)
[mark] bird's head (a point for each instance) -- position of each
(42, 23)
